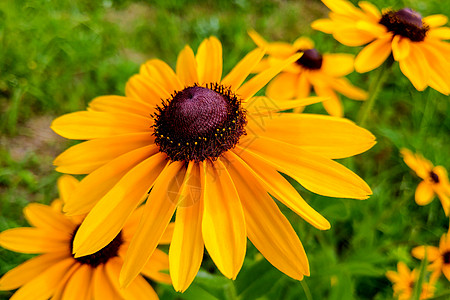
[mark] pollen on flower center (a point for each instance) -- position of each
(434, 177)
(405, 22)
(199, 123)
(311, 59)
(446, 257)
(102, 256)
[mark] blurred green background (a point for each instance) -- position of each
(55, 56)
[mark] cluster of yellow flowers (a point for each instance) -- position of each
(200, 147)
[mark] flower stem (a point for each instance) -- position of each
(306, 290)
(374, 89)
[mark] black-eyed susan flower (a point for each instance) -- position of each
(56, 274)
(202, 145)
(404, 281)
(322, 72)
(435, 180)
(417, 43)
(439, 257)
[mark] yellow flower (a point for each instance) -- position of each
(435, 180)
(404, 281)
(416, 43)
(211, 151)
(57, 274)
(322, 72)
(439, 258)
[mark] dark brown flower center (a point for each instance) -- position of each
(405, 22)
(446, 257)
(434, 177)
(102, 256)
(311, 59)
(199, 123)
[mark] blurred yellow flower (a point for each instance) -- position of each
(435, 180)
(211, 152)
(439, 258)
(404, 281)
(323, 72)
(57, 274)
(416, 43)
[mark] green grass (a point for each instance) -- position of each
(58, 55)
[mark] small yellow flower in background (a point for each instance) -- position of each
(435, 180)
(57, 274)
(324, 73)
(404, 280)
(439, 258)
(416, 43)
(211, 152)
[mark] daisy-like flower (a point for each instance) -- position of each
(435, 180)
(325, 73)
(439, 258)
(417, 43)
(56, 274)
(404, 281)
(205, 147)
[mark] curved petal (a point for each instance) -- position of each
(351, 36)
(278, 49)
(209, 61)
(102, 286)
(162, 74)
(324, 25)
(187, 67)
(343, 86)
(333, 105)
(432, 253)
(108, 216)
(223, 224)
(118, 104)
(66, 185)
(157, 267)
(98, 183)
(79, 284)
(258, 107)
(29, 270)
(416, 68)
(282, 87)
(316, 173)
(424, 193)
(34, 240)
(186, 248)
(267, 227)
(373, 55)
(86, 125)
(45, 217)
(158, 211)
(146, 90)
(439, 66)
(442, 33)
(338, 64)
(435, 20)
(400, 47)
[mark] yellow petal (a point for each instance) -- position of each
(187, 67)
(262, 106)
(416, 68)
(118, 104)
(333, 105)
(400, 47)
(267, 227)
(45, 217)
(85, 125)
(186, 248)
(276, 185)
(432, 253)
(240, 72)
(43, 286)
(79, 284)
(102, 286)
(86, 157)
(252, 86)
(343, 7)
(66, 185)
(223, 224)
(108, 216)
(278, 49)
(209, 61)
(439, 66)
(29, 270)
(157, 267)
(343, 86)
(435, 20)
(94, 186)
(324, 25)
(34, 240)
(303, 43)
(351, 36)
(424, 193)
(146, 90)
(303, 88)
(338, 64)
(370, 9)
(316, 173)
(417, 163)
(168, 234)
(282, 87)
(162, 74)
(373, 55)
(157, 213)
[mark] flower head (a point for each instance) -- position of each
(417, 43)
(439, 257)
(322, 72)
(57, 273)
(404, 281)
(435, 180)
(203, 146)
